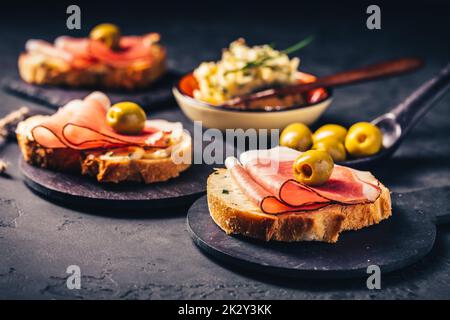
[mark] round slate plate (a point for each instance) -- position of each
(86, 191)
(155, 96)
(392, 244)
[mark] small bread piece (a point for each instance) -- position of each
(234, 213)
(147, 170)
(38, 69)
(122, 168)
(57, 159)
(104, 168)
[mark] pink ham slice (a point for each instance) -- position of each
(344, 186)
(81, 124)
(132, 49)
(82, 52)
(266, 178)
(72, 51)
(48, 133)
(76, 46)
(278, 182)
(47, 49)
(267, 202)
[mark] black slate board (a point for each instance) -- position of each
(429, 202)
(392, 244)
(154, 97)
(85, 191)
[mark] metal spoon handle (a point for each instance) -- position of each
(422, 99)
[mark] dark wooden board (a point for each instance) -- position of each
(153, 97)
(85, 191)
(392, 244)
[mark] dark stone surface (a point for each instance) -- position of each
(74, 189)
(392, 244)
(150, 254)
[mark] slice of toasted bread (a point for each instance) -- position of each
(37, 69)
(57, 159)
(148, 168)
(234, 213)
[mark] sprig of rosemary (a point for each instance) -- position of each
(296, 47)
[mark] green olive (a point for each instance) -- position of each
(107, 33)
(126, 118)
(313, 167)
(296, 136)
(333, 146)
(363, 139)
(330, 130)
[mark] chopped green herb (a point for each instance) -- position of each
(225, 191)
(257, 63)
(299, 45)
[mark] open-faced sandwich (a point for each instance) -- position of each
(105, 59)
(112, 143)
(285, 195)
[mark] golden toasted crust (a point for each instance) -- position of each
(234, 213)
(56, 159)
(53, 72)
(105, 170)
(147, 170)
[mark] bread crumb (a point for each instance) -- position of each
(3, 166)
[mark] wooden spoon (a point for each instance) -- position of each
(371, 72)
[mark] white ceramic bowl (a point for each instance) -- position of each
(225, 118)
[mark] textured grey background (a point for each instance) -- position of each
(150, 255)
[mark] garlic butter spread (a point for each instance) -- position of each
(242, 70)
(181, 143)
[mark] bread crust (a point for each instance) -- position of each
(57, 159)
(235, 214)
(55, 72)
(147, 170)
(104, 170)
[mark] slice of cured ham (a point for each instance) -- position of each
(78, 47)
(271, 171)
(260, 196)
(47, 49)
(132, 49)
(82, 52)
(81, 124)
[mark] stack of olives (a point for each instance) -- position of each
(330, 143)
(361, 140)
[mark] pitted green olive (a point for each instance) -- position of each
(363, 139)
(126, 118)
(296, 136)
(330, 130)
(107, 33)
(313, 167)
(333, 146)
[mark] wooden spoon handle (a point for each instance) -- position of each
(371, 72)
